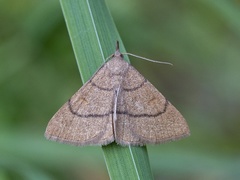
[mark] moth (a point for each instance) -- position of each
(117, 104)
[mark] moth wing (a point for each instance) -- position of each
(86, 119)
(144, 116)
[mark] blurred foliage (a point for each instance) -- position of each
(38, 74)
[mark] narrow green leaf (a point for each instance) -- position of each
(127, 162)
(93, 36)
(92, 33)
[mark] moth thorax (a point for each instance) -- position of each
(117, 66)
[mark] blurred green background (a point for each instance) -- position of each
(38, 73)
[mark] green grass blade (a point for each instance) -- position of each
(127, 162)
(93, 36)
(92, 33)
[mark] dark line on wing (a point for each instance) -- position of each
(137, 87)
(118, 112)
(101, 88)
(125, 89)
(85, 115)
(147, 115)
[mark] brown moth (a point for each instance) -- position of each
(117, 104)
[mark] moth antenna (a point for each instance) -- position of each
(118, 53)
(147, 59)
(117, 46)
